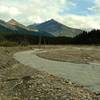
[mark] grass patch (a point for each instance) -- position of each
(8, 43)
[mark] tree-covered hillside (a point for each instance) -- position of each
(92, 37)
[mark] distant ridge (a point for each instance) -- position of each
(6, 25)
(56, 28)
(15, 27)
(48, 28)
(14, 23)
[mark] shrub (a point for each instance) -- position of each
(8, 43)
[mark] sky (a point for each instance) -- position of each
(83, 14)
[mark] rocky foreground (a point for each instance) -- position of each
(19, 82)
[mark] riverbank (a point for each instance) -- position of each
(20, 82)
(74, 54)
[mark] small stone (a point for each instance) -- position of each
(37, 98)
(43, 85)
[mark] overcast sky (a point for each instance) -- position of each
(74, 13)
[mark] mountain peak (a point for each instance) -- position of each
(13, 22)
(56, 28)
(52, 20)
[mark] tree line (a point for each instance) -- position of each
(92, 37)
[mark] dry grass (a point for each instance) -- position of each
(75, 54)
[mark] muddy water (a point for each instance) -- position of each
(84, 74)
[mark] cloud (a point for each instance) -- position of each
(96, 7)
(34, 10)
(83, 22)
(45, 10)
(10, 11)
(37, 11)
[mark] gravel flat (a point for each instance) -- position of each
(20, 82)
(84, 74)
